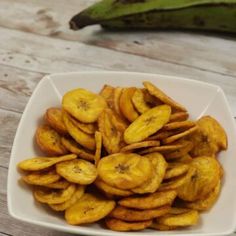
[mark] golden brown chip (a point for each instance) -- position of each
(88, 128)
(120, 225)
(107, 93)
(77, 171)
(76, 195)
(49, 141)
(84, 139)
(175, 137)
(206, 203)
(209, 139)
(124, 171)
(84, 105)
(179, 153)
(151, 100)
(161, 134)
(117, 94)
(127, 214)
(142, 144)
(188, 218)
(167, 148)
(61, 184)
(179, 124)
(126, 105)
(203, 181)
(147, 124)
(161, 227)
(41, 178)
(179, 181)
(112, 136)
(149, 201)
(153, 90)
(54, 118)
(40, 163)
(179, 116)
(111, 190)
(139, 102)
(159, 168)
(176, 169)
(88, 209)
(185, 159)
(54, 196)
(77, 149)
(98, 139)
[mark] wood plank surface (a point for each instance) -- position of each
(50, 18)
(73, 56)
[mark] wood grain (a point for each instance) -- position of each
(60, 59)
(50, 18)
(8, 123)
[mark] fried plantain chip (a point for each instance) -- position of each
(206, 203)
(176, 169)
(149, 201)
(84, 105)
(124, 171)
(161, 134)
(185, 159)
(120, 225)
(77, 171)
(107, 93)
(126, 214)
(179, 153)
(88, 209)
(167, 148)
(203, 181)
(53, 116)
(88, 128)
(77, 149)
(111, 134)
(139, 102)
(179, 125)
(98, 139)
(111, 190)
(209, 139)
(61, 184)
(150, 99)
(117, 94)
(40, 163)
(179, 116)
(179, 219)
(159, 168)
(54, 196)
(147, 124)
(161, 227)
(175, 137)
(126, 105)
(76, 195)
(153, 90)
(41, 178)
(177, 182)
(84, 139)
(49, 141)
(142, 144)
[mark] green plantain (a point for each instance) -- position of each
(217, 15)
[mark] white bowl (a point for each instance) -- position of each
(199, 98)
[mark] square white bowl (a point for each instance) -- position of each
(199, 99)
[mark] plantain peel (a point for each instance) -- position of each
(162, 14)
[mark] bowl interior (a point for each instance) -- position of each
(199, 99)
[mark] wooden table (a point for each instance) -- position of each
(35, 40)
